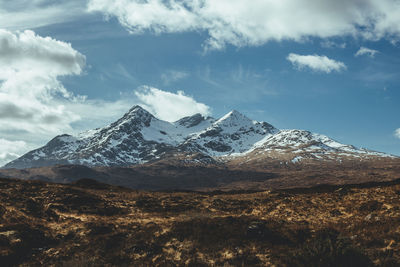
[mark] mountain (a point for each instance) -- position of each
(139, 137)
(135, 138)
(289, 148)
(233, 133)
(300, 145)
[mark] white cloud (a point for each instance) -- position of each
(30, 14)
(251, 23)
(30, 66)
(172, 76)
(315, 62)
(331, 44)
(32, 99)
(397, 133)
(10, 150)
(169, 106)
(366, 51)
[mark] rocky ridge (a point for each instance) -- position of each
(139, 137)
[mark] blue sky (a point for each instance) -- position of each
(292, 65)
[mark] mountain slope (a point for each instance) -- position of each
(233, 133)
(315, 145)
(140, 137)
(302, 147)
(135, 138)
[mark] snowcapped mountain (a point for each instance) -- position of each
(299, 146)
(305, 142)
(233, 133)
(140, 137)
(135, 138)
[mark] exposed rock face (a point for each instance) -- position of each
(140, 137)
(233, 133)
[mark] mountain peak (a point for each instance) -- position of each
(191, 121)
(137, 109)
(234, 116)
(136, 118)
(234, 112)
(136, 113)
(139, 136)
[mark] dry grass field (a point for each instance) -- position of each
(93, 224)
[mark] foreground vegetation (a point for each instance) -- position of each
(92, 224)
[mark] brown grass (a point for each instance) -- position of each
(92, 224)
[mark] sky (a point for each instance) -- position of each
(330, 67)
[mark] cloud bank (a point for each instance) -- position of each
(366, 51)
(31, 95)
(316, 63)
(170, 106)
(252, 23)
(30, 66)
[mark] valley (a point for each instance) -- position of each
(199, 192)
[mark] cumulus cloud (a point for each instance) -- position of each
(397, 133)
(30, 67)
(316, 63)
(170, 106)
(366, 51)
(33, 101)
(251, 23)
(10, 150)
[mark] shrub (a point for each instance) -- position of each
(328, 249)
